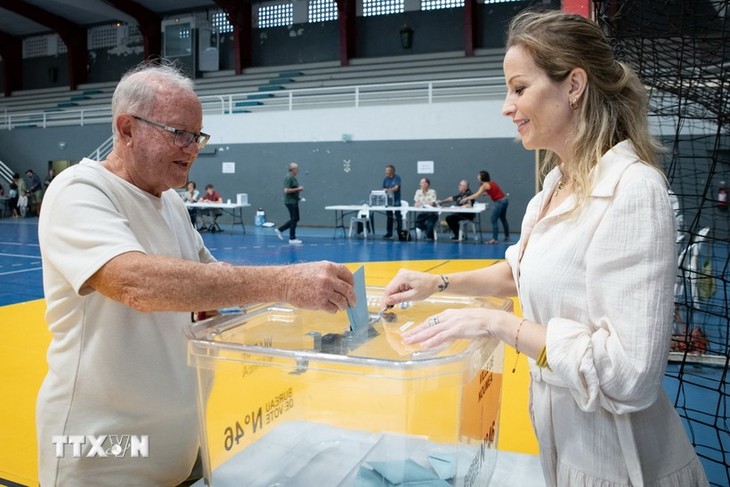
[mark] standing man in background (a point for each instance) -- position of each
(391, 185)
(291, 200)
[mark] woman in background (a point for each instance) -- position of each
(500, 203)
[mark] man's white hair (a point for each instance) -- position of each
(137, 89)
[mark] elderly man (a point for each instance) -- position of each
(117, 243)
(459, 198)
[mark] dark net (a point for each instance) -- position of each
(681, 50)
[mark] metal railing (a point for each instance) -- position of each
(355, 96)
(103, 150)
(351, 96)
(6, 173)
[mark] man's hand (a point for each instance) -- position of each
(320, 285)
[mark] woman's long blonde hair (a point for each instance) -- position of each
(614, 105)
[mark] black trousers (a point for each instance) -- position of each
(293, 219)
(390, 218)
(454, 219)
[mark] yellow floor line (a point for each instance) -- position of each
(23, 366)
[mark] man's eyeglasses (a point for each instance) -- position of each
(182, 138)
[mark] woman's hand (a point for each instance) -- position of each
(457, 323)
(410, 286)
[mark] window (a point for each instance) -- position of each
(220, 22)
(322, 10)
(437, 4)
(276, 15)
(381, 7)
(61, 46)
(35, 47)
(102, 36)
(177, 40)
(134, 36)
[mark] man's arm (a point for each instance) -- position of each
(152, 283)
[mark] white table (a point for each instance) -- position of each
(233, 209)
(343, 210)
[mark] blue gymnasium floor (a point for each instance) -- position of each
(702, 395)
(20, 258)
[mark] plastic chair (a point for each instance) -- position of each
(690, 270)
(214, 227)
(362, 217)
(463, 224)
(212, 214)
(404, 214)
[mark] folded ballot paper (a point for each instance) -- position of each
(358, 314)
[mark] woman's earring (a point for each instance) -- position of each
(573, 104)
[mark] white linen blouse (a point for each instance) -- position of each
(601, 280)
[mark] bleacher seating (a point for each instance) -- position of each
(269, 88)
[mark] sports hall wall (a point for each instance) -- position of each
(460, 138)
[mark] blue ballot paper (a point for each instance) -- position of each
(358, 315)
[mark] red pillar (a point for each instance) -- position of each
(580, 7)
(470, 26)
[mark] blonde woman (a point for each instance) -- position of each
(594, 267)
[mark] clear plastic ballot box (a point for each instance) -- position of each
(290, 397)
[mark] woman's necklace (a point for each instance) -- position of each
(561, 185)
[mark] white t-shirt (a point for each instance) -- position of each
(113, 370)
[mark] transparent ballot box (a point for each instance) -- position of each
(380, 197)
(289, 397)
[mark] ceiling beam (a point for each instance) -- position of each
(11, 49)
(346, 17)
(240, 15)
(150, 24)
(470, 26)
(72, 34)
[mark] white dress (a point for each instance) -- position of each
(602, 282)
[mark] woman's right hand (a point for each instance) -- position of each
(410, 285)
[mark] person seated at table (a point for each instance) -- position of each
(425, 196)
(191, 195)
(210, 196)
(453, 219)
